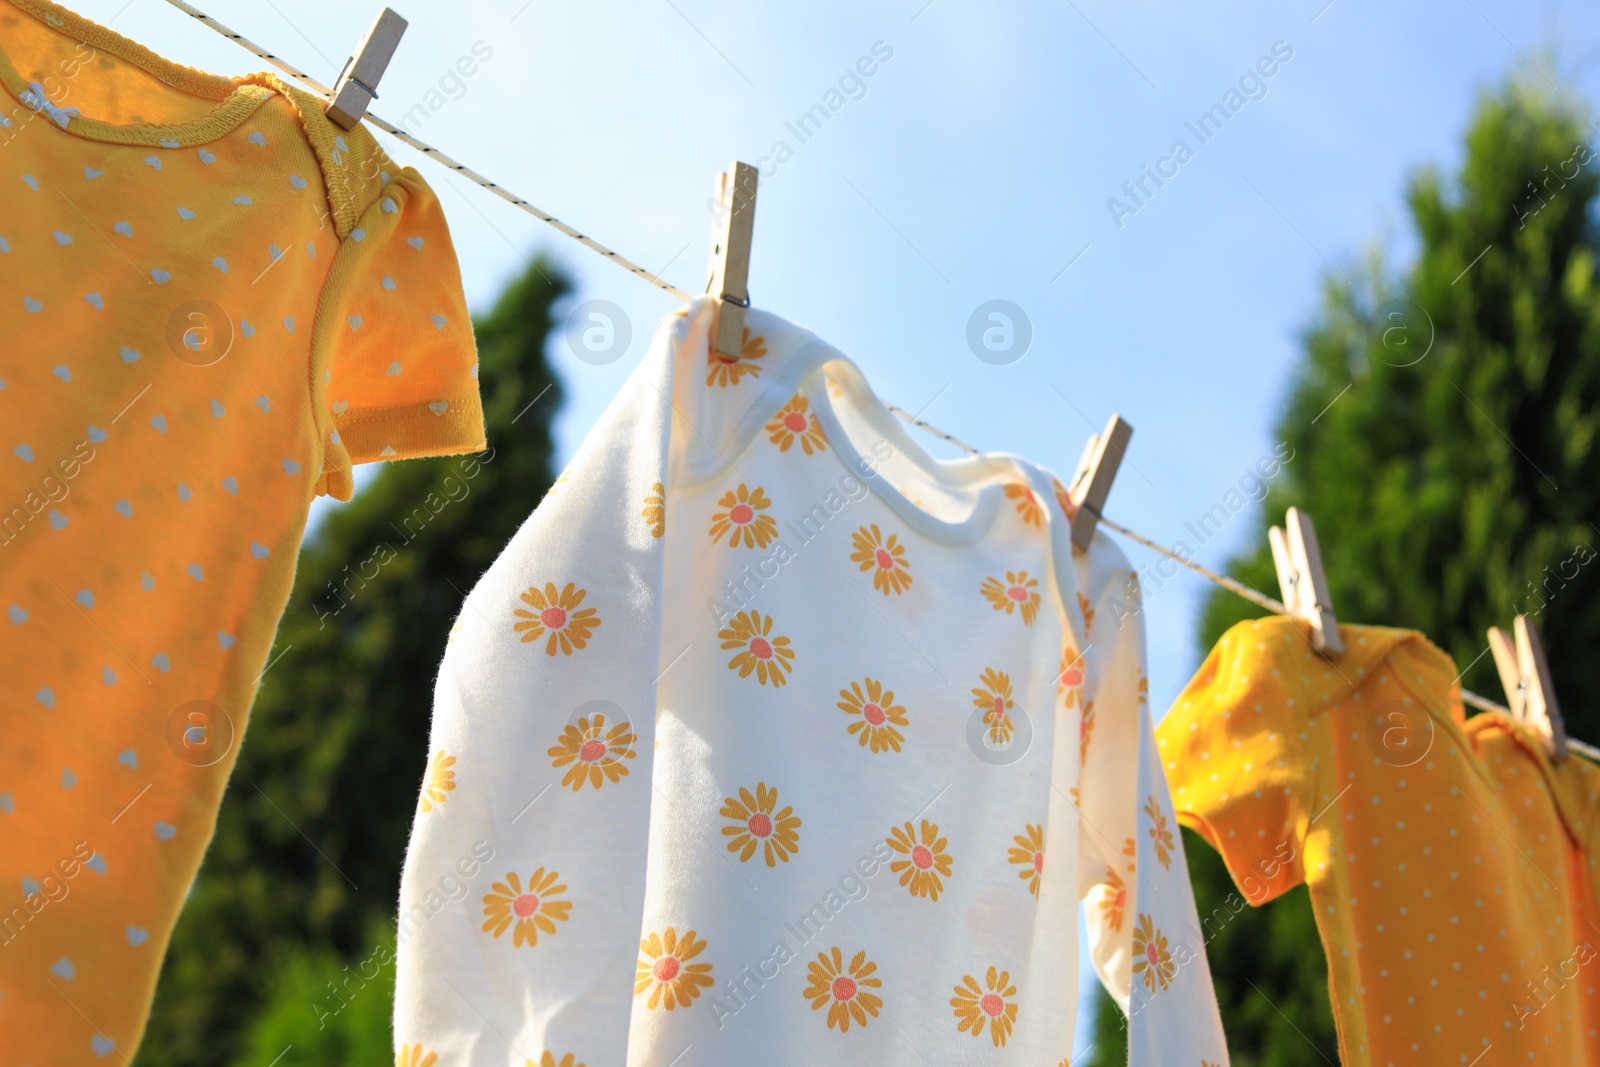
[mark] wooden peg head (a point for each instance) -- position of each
(357, 86)
(1091, 485)
(728, 270)
(1540, 707)
(1303, 582)
(1288, 577)
(1509, 666)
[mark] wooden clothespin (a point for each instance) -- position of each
(1302, 580)
(734, 214)
(1092, 482)
(1525, 674)
(357, 86)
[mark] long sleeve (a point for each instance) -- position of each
(544, 718)
(1144, 935)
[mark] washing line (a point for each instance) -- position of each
(1236, 587)
(429, 151)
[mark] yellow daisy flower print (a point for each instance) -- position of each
(549, 1060)
(994, 696)
(741, 513)
(553, 613)
(769, 657)
(441, 780)
(844, 989)
(878, 716)
(1027, 503)
(756, 822)
(531, 912)
(655, 511)
(724, 370)
(794, 423)
(988, 1005)
(1088, 613)
(664, 969)
(926, 861)
(592, 753)
(1152, 963)
(1112, 903)
(1028, 853)
(415, 1056)
(1017, 593)
(1159, 834)
(886, 559)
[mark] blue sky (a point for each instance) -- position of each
(976, 164)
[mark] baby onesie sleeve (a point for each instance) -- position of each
(1143, 932)
(540, 776)
(1234, 751)
(1113, 686)
(396, 367)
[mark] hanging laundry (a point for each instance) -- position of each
(768, 734)
(1450, 864)
(213, 302)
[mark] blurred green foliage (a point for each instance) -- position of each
(330, 1011)
(305, 864)
(1444, 429)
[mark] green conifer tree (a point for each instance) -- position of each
(1444, 426)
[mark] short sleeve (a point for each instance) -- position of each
(1235, 754)
(396, 370)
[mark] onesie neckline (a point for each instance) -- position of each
(237, 99)
(978, 475)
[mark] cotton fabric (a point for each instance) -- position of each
(1450, 864)
(772, 737)
(213, 303)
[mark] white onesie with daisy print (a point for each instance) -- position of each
(772, 740)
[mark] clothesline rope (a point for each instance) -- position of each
(1232, 585)
(432, 152)
(1235, 587)
(1276, 607)
(1227, 583)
